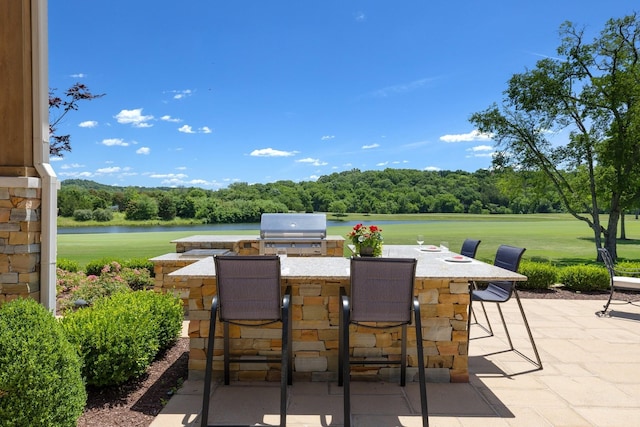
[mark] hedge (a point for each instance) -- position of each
(119, 336)
(40, 379)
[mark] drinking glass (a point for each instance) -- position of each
(420, 240)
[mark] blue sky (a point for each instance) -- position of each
(206, 92)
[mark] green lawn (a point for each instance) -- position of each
(557, 238)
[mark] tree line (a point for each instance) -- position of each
(390, 191)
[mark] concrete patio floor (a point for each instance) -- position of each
(591, 377)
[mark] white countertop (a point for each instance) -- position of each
(432, 265)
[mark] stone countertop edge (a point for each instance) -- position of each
(231, 238)
(337, 268)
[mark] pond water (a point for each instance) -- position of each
(206, 227)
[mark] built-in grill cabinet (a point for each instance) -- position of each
(299, 234)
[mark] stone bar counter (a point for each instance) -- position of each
(194, 248)
(442, 286)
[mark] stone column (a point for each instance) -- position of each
(24, 171)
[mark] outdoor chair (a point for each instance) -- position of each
(249, 294)
(507, 257)
(620, 279)
(381, 291)
(469, 248)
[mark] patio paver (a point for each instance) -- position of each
(591, 377)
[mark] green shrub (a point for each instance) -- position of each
(83, 215)
(584, 278)
(103, 215)
(91, 288)
(140, 263)
(137, 279)
(94, 268)
(539, 275)
(40, 380)
(119, 336)
(115, 342)
(630, 268)
(68, 265)
(167, 313)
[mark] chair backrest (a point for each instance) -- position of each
(469, 248)
(382, 289)
(608, 261)
(248, 287)
(508, 257)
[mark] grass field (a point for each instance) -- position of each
(560, 239)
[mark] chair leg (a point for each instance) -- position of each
(285, 367)
(421, 373)
(226, 353)
(526, 324)
(340, 340)
(209, 365)
(504, 324)
(606, 306)
(403, 362)
(286, 305)
(344, 353)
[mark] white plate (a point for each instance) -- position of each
(430, 249)
(458, 258)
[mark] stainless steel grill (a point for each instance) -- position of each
(299, 234)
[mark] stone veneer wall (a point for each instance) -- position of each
(19, 239)
(168, 263)
(444, 308)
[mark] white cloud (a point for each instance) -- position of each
(72, 166)
(270, 152)
(143, 150)
(112, 169)
(168, 118)
(169, 176)
(77, 174)
(134, 118)
(88, 124)
(432, 168)
(474, 135)
(110, 142)
(360, 16)
(186, 129)
(56, 159)
(481, 148)
(204, 129)
(370, 146)
(327, 137)
(314, 162)
(180, 94)
(382, 164)
(79, 75)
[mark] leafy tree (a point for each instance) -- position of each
(167, 206)
(593, 89)
(338, 207)
(141, 208)
(76, 93)
(73, 198)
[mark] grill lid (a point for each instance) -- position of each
(293, 226)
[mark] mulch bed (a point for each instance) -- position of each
(138, 401)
